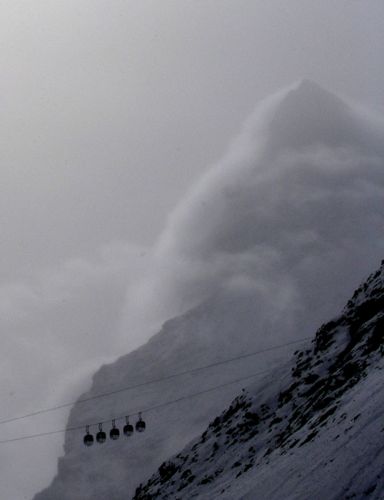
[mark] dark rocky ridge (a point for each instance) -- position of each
(309, 399)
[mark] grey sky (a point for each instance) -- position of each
(110, 110)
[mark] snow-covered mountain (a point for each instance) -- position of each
(264, 249)
(313, 429)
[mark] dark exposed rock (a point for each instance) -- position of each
(341, 354)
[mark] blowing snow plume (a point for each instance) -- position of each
(292, 217)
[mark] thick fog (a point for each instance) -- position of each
(111, 111)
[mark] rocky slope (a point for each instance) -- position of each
(313, 429)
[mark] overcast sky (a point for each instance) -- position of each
(110, 111)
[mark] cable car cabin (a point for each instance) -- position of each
(101, 436)
(128, 428)
(88, 438)
(140, 424)
(114, 432)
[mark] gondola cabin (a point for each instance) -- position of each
(88, 438)
(101, 436)
(140, 424)
(128, 428)
(114, 432)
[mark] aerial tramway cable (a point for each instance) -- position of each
(149, 382)
(147, 410)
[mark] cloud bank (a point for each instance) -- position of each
(291, 216)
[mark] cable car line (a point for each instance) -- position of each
(149, 382)
(147, 410)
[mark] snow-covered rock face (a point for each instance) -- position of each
(267, 247)
(313, 430)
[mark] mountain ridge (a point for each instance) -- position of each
(309, 405)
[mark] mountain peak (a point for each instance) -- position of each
(308, 85)
(309, 115)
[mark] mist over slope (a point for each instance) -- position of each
(312, 429)
(266, 247)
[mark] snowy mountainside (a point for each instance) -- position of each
(313, 429)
